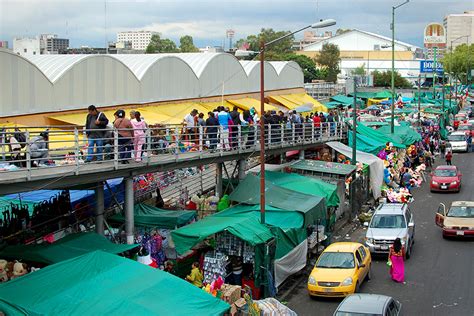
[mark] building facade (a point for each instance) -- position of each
(26, 46)
(310, 37)
(139, 39)
(371, 51)
(51, 44)
(459, 26)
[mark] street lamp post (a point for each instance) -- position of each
(392, 126)
(263, 45)
(455, 80)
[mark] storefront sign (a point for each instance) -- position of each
(435, 35)
(426, 66)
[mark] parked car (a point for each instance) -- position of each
(390, 221)
(457, 141)
(445, 178)
(466, 128)
(459, 119)
(368, 304)
(340, 270)
(458, 221)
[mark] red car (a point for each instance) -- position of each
(459, 119)
(468, 128)
(446, 178)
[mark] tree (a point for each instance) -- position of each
(186, 45)
(307, 65)
(359, 71)
(329, 58)
(459, 62)
(276, 51)
(158, 45)
(384, 79)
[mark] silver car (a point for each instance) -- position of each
(390, 221)
(368, 304)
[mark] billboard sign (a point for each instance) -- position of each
(426, 66)
(435, 35)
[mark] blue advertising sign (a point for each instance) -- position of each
(426, 66)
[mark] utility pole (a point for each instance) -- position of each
(419, 100)
(392, 118)
(435, 68)
(354, 124)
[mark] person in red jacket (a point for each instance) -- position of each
(317, 124)
(449, 157)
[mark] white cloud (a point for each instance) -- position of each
(83, 21)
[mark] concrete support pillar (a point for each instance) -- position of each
(99, 208)
(219, 179)
(301, 154)
(242, 165)
(128, 208)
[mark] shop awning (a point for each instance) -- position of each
(295, 100)
(381, 137)
(150, 216)
(80, 118)
(312, 207)
(383, 94)
(244, 226)
(407, 134)
(66, 248)
(307, 185)
(367, 144)
(376, 166)
(324, 167)
(283, 101)
(248, 103)
(100, 283)
(344, 100)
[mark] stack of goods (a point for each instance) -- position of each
(215, 266)
(271, 306)
(231, 293)
(234, 246)
(12, 270)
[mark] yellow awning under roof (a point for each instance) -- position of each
(375, 101)
(80, 118)
(303, 98)
(248, 103)
(278, 99)
(175, 113)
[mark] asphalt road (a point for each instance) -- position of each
(439, 275)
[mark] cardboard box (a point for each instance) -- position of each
(231, 293)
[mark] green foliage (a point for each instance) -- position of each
(274, 51)
(307, 65)
(384, 79)
(459, 62)
(359, 71)
(186, 45)
(329, 59)
(158, 45)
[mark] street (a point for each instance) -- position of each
(440, 274)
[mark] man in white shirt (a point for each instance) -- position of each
(190, 125)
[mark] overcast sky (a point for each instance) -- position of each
(91, 22)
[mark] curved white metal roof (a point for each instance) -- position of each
(249, 65)
(140, 64)
(54, 66)
(279, 65)
(198, 61)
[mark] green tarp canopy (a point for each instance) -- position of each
(432, 110)
(366, 144)
(150, 216)
(380, 137)
(248, 192)
(324, 167)
(245, 226)
(344, 100)
(364, 95)
(68, 247)
(307, 185)
(407, 134)
(383, 95)
(370, 124)
(334, 105)
(99, 283)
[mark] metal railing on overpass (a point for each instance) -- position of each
(42, 152)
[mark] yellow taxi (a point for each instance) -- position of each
(458, 221)
(340, 270)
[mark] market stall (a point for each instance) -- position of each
(71, 288)
(71, 246)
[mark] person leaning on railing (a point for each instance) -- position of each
(96, 123)
(39, 151)
(125, 136)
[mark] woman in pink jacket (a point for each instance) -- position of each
(139, 127)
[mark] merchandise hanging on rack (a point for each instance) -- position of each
(215, 266)
(234, 246)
